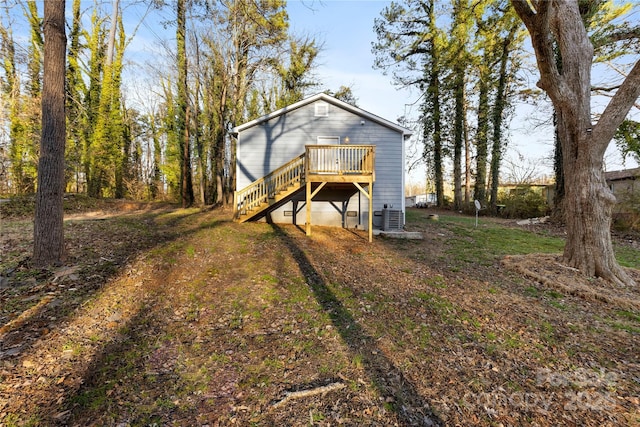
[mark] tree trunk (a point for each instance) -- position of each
(48, 245)
(112, 32)
(497, 119)
(74, 89)
(459, 43)
(558, 213)
(156, 187)
(588, 209)
(467, 160)
(458, 136)
(186, 186)
(437, 146)
(482, 137)
(219, 165)
(588, 200)
(199, 142)
(433, 97)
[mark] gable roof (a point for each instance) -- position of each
(331, 100)
(623, 174)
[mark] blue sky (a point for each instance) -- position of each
(346, 30)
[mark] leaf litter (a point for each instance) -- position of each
(182, 317)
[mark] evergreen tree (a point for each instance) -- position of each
(25, 113)
(412, 46)
(92, 160)
(11, 96)
(509, 38)
(459, 58)
(76, 89)
(242, 38)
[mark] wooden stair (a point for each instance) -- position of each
(336, 165)
(271, 191)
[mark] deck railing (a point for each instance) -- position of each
(317, 160)
(340, 159)
(260, 191)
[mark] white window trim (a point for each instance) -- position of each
(327, 140)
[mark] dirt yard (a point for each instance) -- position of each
(177, 317)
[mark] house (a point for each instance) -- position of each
(546, 191)
(623, 182)
(625, 185)
(321, 161)
(421, 200)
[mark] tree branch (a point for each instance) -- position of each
(623, 34)
(618, 107)
(536, 17)
(305, 393)
(604, 88)
(524, 11)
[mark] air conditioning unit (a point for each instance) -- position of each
(391, 220)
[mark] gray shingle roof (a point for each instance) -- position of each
(623, 174)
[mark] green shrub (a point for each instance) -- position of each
(25, 205)
(626, 215)
(524, 202)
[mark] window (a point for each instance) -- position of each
(328, 140)
(321, 109)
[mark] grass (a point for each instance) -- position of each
(625, 320)
(488, 242)
(627, 256)
(547, 333)
(629, 315)
(437, 303)
(437, 281)
(233, 316)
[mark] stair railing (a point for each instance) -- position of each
(260, 191)
(318, 160)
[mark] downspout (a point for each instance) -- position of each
(403, 198)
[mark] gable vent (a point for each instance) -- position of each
(322, 109)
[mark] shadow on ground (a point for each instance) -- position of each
(387, 378)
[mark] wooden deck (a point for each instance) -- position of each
(318, 166)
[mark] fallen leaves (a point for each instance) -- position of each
(191, 319)
(547, 270)
(26, 315)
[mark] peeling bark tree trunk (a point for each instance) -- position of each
(588, 200)
(48, 242)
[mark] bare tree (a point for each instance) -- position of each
(588, 200)
(523, 171)
(48, 245)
